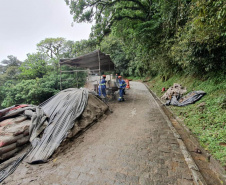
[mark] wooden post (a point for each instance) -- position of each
(60, 78)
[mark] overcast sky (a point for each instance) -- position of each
(24, 23)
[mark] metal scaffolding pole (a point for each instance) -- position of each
(60, 79)
(99, 62)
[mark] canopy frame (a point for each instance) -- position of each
(94, 61)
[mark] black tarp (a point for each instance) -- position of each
(190, 98)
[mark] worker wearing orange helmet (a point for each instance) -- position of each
(122, 85)
(102, 86)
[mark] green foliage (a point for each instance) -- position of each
(200, 45)
(83, 47)
(9, 70)
(67, 49)
(37, 78)
(115, 47)
(164, 37)
(32, 91)
(73, 79)
(35, 66)
(52, 47)
(11, 61)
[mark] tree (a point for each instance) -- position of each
(106, 13)
(67, 49)
(33, 91)
(115, 47)
(84, 46)
(11, 61)
(35, 66)
(52, 47)
(10, 69)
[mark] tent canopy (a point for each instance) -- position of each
(95, 60)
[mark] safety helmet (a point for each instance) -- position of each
(104, 76)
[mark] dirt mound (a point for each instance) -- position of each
(95, 109)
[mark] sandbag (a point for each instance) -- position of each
(18, 111)
(19, 119)
(6, 122)
(8, 154)
(26, 132)
(7, 148)
(18, 128)
(22, 141)
(7, 140)
(4, 111)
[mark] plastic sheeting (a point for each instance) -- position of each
(62, 110)
(190, 98)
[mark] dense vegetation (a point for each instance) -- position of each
(37, 78)
(149, 37)
(145, 38)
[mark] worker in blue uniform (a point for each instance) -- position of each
(102, 86)
(122, 86)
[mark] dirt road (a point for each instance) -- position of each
(133, 145)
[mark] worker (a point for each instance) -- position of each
(122, 85)
(116, 78)
(102, 86)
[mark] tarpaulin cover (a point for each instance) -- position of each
(94, 61)
(62, 110)
(190, 98)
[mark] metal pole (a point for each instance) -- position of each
(60, 79)
(77, 78)
(99, 62)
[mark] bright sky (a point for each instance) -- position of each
(24, 23)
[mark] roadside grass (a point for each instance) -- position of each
(207, 122)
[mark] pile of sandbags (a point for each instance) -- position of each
(14, 132)
(176, 90)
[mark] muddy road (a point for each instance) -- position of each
(132, 145)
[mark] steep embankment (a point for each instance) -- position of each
(208, 120)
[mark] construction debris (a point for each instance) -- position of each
(174, 96)
(175, 90)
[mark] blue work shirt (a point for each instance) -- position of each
(122, 84)
(103, 84)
